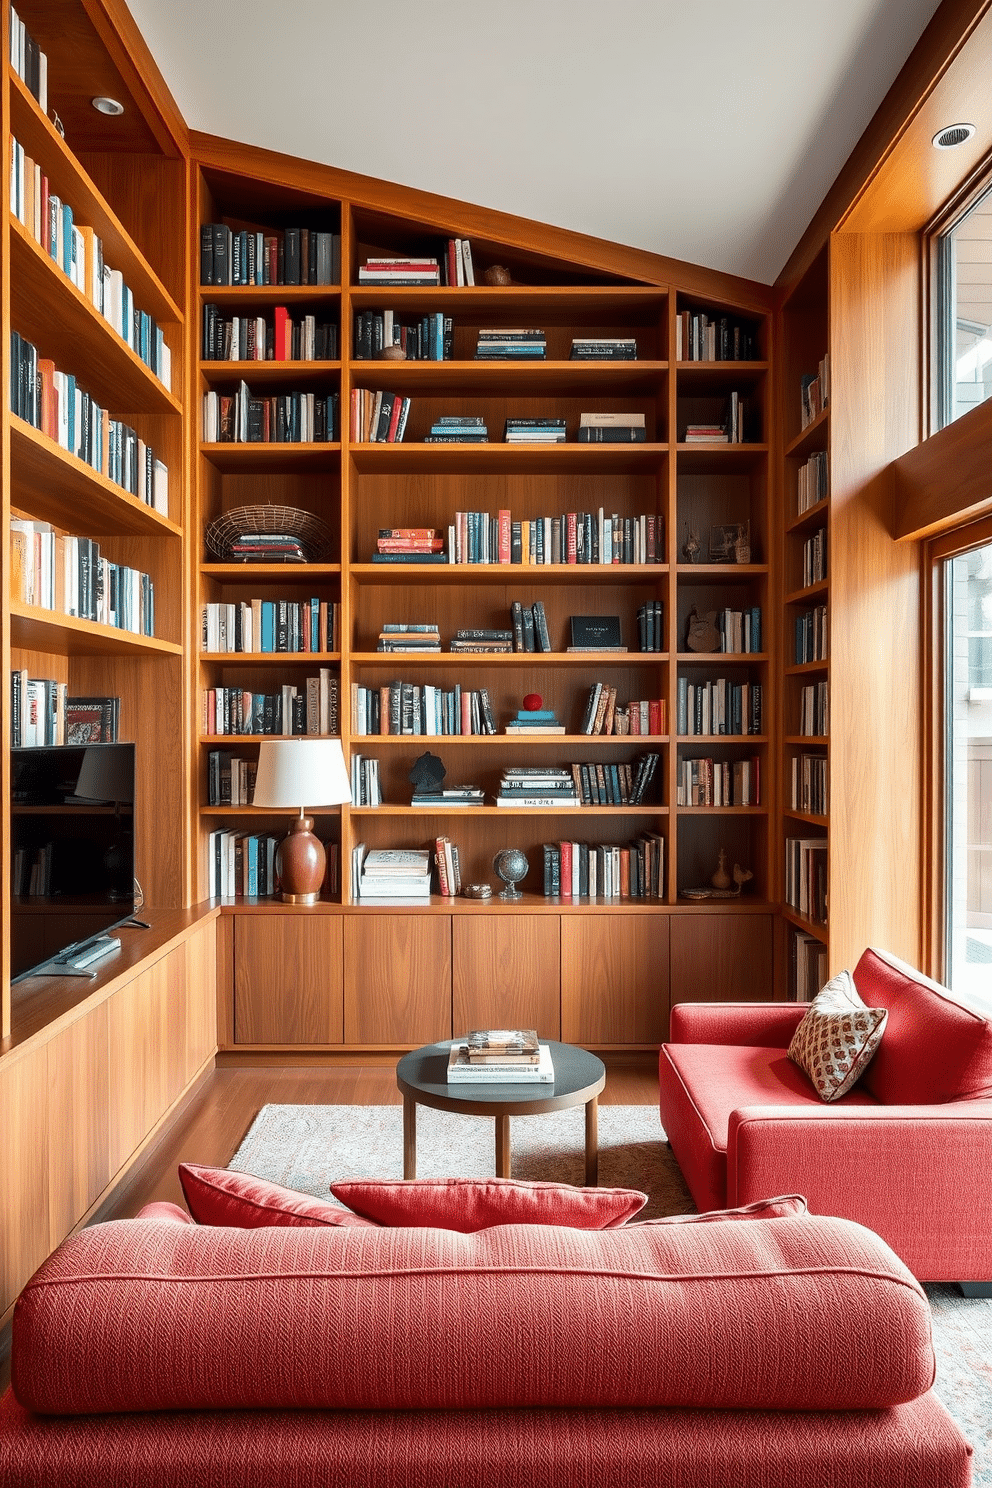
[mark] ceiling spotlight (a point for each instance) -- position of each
(108, 106)
(952, 136)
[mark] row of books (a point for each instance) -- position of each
(78, 251)
(814, 709)
(581, 870)
(739, 630)
(391, 873)
(604, 715)
(810, 787)
(720, 706)
(612, 428)
(413, 708)
(292, 255)
(241, 864)
(538, 785)
(580, 784)
(257, 625)
(510, 345)
(815, 558)
(811, 635)
(449, 872)
(814, 391)
(312, 708)
(279, 418)
(230, 779)
(806, 877)
(529, 624)
(427, 339)
(28, 61)
(571, 537)
(388, 271)
(651, 625)
(710, 782)
(702, 337)
(31, 871)
(603, 349)
(378, 418)
(414, 639)
(42, 712)
(252, 338)
(454, 429)
(69, 574)
(366, 784)
(53, 402)
(728, 430)
(813, 481)
(809, 966)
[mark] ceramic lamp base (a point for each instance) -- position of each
(300, 861)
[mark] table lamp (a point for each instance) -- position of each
(299, 773)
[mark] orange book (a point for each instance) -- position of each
(48, 400)
(625, 873)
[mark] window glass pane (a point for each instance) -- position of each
(966, 254)
(969, 772)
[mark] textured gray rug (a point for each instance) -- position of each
(306, 1147)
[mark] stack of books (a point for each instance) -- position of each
(530, 626)
(535, 721)
(394, 873)
(534, 431)
(604, 349)
(505, 1056)
(457, 260)
(612, 428)
(388, 272)
(456, 430)
(378, 418)
(700, 337)
(411, 639)
(449, 873)
(409, 545)
(705, 434)
(538, 785)
(492, 641)
(449, 795)
(510, 345)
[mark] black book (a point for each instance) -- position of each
(222, 254)
(291, 270)
(611, 435)
(206, 253)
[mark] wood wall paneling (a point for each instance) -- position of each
(615, 979)
(25, 1151)
(78, 1121)
(726, 958)
(506, 973)
(287, 979)
(397, 979)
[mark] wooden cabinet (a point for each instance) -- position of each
(287, 979)
(506, 973)
(397, 978)
(614, 979)
(722, 958)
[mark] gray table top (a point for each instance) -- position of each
(579, 1076)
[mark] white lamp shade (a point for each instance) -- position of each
(301, 772)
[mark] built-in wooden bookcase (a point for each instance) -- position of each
(104, 177)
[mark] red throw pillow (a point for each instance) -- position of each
(469, 1204)
(786, 1206)
(217, 1196)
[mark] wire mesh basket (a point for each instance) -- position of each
(313, 535)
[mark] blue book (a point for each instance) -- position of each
(314, 624)
(268, 637)
(67, 238)
(251, 850)
(538, 715)
(756, 628)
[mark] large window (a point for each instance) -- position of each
(968, 770)
(964, 312)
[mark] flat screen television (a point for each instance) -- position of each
(72, 846)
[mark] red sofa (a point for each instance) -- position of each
(907, 1152)
(765, 1354)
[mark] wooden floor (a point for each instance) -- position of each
(209, 1128)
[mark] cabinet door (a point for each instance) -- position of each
(287, 979)
(397, 977)
(722, 958)
(506, 972)
(614, 979)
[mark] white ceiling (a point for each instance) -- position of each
(708, 132)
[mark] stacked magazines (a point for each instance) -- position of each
(505, 1056)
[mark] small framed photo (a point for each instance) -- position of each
(731, 543)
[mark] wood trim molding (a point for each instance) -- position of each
(465, 218)
(944, 482)
(126, 46)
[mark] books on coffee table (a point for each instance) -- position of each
(513, 1070)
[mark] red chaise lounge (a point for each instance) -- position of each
(907, 1152)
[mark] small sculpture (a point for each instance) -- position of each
(702, 633)
(496, 276)
(691, 548)
(478, 891)
(533, 701)
(721, 878)
(511, 866)
(741, 876)
(393, 353)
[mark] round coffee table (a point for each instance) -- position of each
(579, 1077)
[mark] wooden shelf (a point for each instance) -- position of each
(268, 373)
(362, 741)
(46, 630)
(560, 813)
(810, 439)
(721, 810)
(48, 309)
(270, 458)
(282, 573)
(806, 668)
(809, 817)
(721, 573)
(526, 375)
(271, 658)
(812, 927)
(812, 517)
(505, 459)
(472, 574)
(720, 658)
(475, 659)
(231, 741)
(624, 305)
(808, 595)
(242, 296)
(58, 487)
(705, 739)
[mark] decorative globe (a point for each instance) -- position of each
(511, 866)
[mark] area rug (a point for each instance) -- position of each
(307, 1147)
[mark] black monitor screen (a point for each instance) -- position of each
(72, 838)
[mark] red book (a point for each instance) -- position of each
(566, 869)
(442, 867)
(452, 267)
(49, 402)
(466, 712)
(394, 420)
(504, 536)
(572, 539)
(417, 532)
(654, 717)
(652, 553)
(283, 339)
(625, 873)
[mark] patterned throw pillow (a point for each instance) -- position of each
(836, 1039)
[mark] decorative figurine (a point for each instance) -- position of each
(478, 891)
(721, 878)
(533, 701)
(511, 866)
(702, 633)
(691, 548)
(496, 276)
(393, 354)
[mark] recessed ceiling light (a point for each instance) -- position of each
(953, 135)
(108, 106)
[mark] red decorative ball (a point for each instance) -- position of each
(533, 701)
